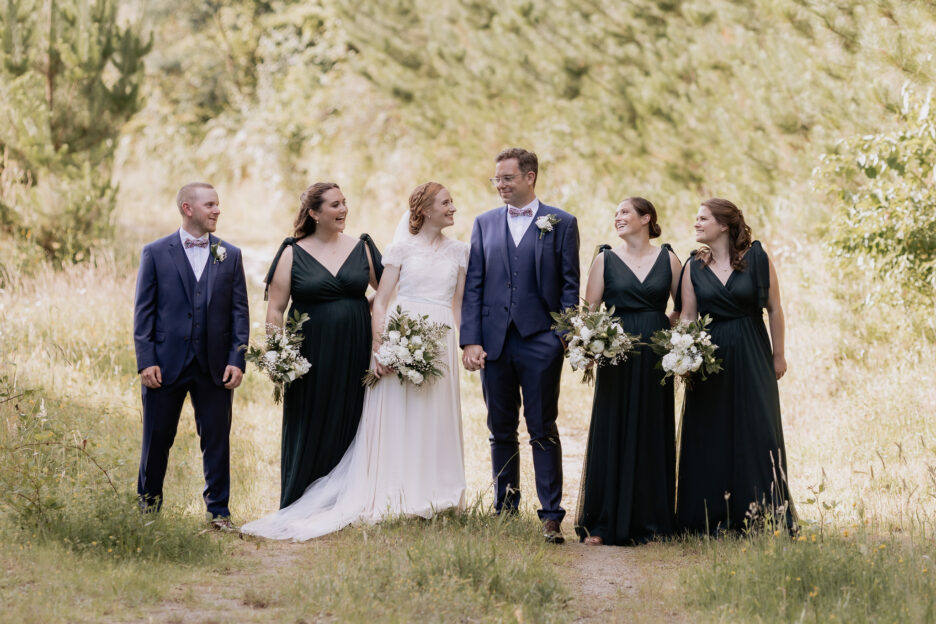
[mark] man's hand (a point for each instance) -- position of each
(232, 377)
(151, 377)
(473, 357)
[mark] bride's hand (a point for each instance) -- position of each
(380, 370)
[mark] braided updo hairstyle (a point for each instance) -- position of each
(739, 233)
(311, 200)
(421, 200)
(644, 207)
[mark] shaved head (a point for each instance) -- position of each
(188, 193)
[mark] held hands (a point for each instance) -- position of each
(232, 377)
(151, 377)
(379, 369)
(473, 357)
(779, 365)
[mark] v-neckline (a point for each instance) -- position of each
(730, 275)
(316, 260)
(632, 272)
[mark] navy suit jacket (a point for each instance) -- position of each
(162, 316)
(485, 316)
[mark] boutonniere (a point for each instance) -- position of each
(546, 223)
(218, 252)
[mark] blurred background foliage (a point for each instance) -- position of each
(762, 101)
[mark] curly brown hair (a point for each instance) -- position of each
(739, 233)
(310, 201)
(421, 200)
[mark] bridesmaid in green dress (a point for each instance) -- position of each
(629, 474)
(732, 462)
(326, 274)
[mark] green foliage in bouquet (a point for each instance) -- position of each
(687, 350)
(594, 338)
(411, 346)
(279, 357)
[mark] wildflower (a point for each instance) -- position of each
(813, 538)
(776, 533)
(882, 546)
(845, 533)
(801, 538)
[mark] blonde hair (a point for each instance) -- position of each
(184, 196)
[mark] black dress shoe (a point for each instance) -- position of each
(552, 532)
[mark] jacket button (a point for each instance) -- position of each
(190, 315)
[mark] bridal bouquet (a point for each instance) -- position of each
(279, 355)
(412, 347)
(594, 338)
(686, 349)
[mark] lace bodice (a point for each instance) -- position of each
(427, 274)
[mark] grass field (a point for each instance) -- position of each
(857, 406)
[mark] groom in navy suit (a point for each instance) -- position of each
(524, 264)
(189, 322)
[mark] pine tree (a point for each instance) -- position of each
(71, 77)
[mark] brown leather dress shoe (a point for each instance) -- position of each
(552, 532)
(222, 524)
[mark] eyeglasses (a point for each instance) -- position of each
(505, 179)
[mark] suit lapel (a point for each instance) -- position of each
(502, 232)
(182, 266)
(210, 268)
(539, 241)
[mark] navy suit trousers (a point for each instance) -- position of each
(161, 410)
(531, 366)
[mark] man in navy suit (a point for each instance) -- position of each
(524, 264)
(189, 322)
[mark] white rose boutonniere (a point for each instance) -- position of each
(218, 252)
(546, 223)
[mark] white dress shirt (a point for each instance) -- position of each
(197, 256)
(518, 225)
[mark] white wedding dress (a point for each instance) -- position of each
(407, 456)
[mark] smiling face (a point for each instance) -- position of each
(442, 211)
(628, 221)
(514, 187)
(707, 229)
(331, 216)
(200, 211)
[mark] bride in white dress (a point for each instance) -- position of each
(407, 456)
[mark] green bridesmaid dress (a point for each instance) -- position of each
(321, 409)
(629, 474)
(732, 459)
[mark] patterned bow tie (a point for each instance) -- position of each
(519, 212)
(195, 242)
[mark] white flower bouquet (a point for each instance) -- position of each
(279, 356)
(594, 339)
(412, 347)
(687, 350)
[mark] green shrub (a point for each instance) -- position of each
(884, 223)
